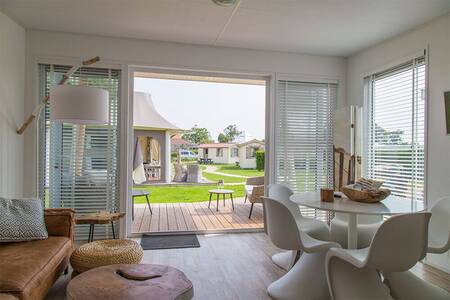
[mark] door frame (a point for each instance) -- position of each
(268, 77)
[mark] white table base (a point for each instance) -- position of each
(306, 279)
(352, 231)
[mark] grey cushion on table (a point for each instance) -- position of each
(22, 220)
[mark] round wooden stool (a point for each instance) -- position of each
(135, 281)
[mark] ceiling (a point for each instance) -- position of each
(328, 27)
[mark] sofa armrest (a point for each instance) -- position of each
(60, 221)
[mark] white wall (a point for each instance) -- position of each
(12, 80)
(435, 35)
(52, 45)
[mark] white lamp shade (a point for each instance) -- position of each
(79, 104)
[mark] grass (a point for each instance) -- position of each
(235, 170)
(190, 193)
(226, 179)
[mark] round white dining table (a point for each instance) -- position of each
(392, 205)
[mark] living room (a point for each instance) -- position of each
(356, 96)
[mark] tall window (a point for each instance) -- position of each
(79, 163)
(395, 148)
(304, 136)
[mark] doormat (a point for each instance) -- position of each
(172, 241)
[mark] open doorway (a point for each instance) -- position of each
(199, 152)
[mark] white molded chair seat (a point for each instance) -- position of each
(306, 279)
(406, 285)
(314, 228)
(367, 226)
(399, 244)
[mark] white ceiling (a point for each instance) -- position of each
(330, 27)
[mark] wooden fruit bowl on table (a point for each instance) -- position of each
(365, 196)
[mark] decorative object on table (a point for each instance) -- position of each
(46, 99)
(219, 192)
(327, 195)
(114, 283)
(105, 253)
(220, 184)
(22, 220)
(447, 110)
(366, 190)
(140, 193)
(172, 241)
(98, 218)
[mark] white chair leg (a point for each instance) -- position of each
(305, 280)
(285, 260)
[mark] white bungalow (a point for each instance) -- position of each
(247, 159)
(153, 132)
(219, 153)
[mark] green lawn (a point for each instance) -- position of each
(193, 193)
(235, 170)
(226, 179)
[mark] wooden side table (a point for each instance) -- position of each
(100, 218)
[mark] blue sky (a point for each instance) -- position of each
(208, 104)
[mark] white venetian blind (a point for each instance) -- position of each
(304, 136)
(78, 163)
(395, 147)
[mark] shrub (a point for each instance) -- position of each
(260, 155)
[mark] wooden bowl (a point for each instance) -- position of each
(365, 196)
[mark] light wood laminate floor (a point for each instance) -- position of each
(233, 266)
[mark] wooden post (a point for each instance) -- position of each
(46, 99)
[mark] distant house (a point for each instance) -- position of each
(247, 159)
(219, 153)
(177, 142)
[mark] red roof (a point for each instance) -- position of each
(179, 141)
(216, 145)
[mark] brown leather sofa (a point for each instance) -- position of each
(29, 269)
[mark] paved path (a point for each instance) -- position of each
(212, 170)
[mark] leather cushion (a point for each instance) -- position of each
(22, 263)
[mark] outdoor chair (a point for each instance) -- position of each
(254, 190)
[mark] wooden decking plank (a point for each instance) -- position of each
(179, 217)
(154, 223)
(195, 217)
(190, 224)
(171, 219)
(163, 223)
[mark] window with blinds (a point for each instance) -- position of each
(79, 164)
(395, 147)
(304, 137)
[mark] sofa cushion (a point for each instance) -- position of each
(22, 263)
(21, 220)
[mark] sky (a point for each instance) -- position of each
(208, 104)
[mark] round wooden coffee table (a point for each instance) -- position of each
(134, 281)
(219, 192)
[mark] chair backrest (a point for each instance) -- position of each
(281, 226)
(439, 229)
(282, 193)
(255, 180)
(257, 193)
(400, 242)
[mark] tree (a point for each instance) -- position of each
(386, 137)
(197, 135)
(222, 138)
(231, 132)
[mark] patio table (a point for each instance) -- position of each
(219, 192)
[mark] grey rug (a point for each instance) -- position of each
(172, 241)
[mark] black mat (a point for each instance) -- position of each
(172, 241)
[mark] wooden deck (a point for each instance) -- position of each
(196, 216)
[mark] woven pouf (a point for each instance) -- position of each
(104, 253)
